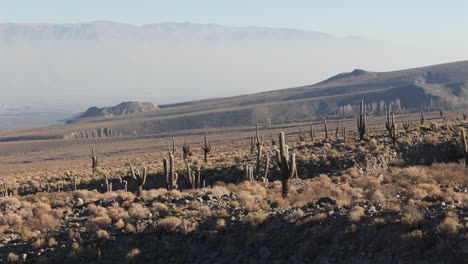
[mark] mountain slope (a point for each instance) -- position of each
(427, 88)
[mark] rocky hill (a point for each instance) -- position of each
(120, 109)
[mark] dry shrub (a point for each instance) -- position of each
(42, 209)
(218, 191)
(254, 219)
(100, 221)
(153, 193)
(353, 172)
(51, 242)
(102, 234)
(48, 221)
(160, 209)
(137, 211)
(449, 173)
(10, 202)
(450, 224)
(451, 195)
(75, 246)
(97, 210)
(115, 212)
(412, 218)
(11, 219)
(294, 215)
(366, 182)
(119, 224)
(392, 207)
(356, 213)
(170, 223)
(188, 226)
(422, 190)
(375, 196)
(312, 190)
(13, 258)
(87, 196)
(415, 234)
(132, 254)
(39, 243)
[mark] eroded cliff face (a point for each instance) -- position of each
(95, 133)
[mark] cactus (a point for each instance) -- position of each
(190, 176)
(171, 175)
(206, 147)
(312, 132)
(173, 149)
(388, 123)
(465, 116)
(286, 163)
(259, 145)
(186, 150)
(252, 144)
(273, 141)
(94, 160)
(249, 173)
(406, 125)
(267, 167)
(361, 121)
(391, 129)
(337, 130)
(464, 148)
(125, 185)
(107, 183)
(74, 183)
(140, 179)
(5, 189)
(441, 113)
(343, 132)
(301, 134)
(421, 118)
(326, 129)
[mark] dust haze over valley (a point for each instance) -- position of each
(50, 72)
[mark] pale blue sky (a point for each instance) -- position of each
(407, 21)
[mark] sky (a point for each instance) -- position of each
(415, 21)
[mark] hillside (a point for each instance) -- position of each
(413, 90)
(120, 109)
(427, 88)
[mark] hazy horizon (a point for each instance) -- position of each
(102, 63)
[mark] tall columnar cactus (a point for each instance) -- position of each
(186, 150)
(267, 168)
(140, 179)
(388, 123)
(391, 128)
(421, 118)
(273, 141)
(326, 129)
(94, 160)
(361, 121)
(464, 148)
(249, 173)
(252, 144)
(301, 134)
(344, 133)
(441, 113)
(190, 176)
(337, 130)
(312, 132)
(286, 163)
(171, 175)
(465, 116)
(206, 147)
(173, 149)
(259, 145)
(406, 125)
